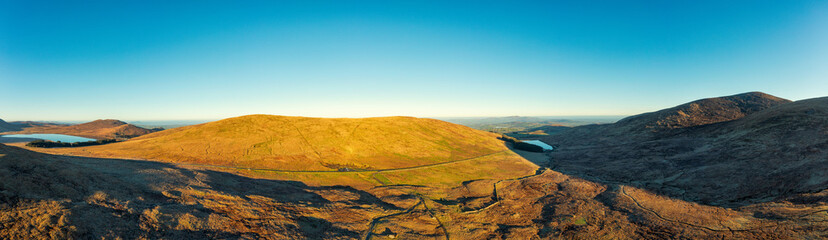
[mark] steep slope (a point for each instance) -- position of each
(671, 121)
(299, 143)
(8, 127)
(60, 197)
(765, 155)
(704, 111)
(99, 129)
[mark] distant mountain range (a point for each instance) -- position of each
(520, 125)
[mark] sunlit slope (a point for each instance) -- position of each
(98, 129)
(300, 143)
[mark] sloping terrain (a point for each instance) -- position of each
(670, 121)
(98, 129)
(299, 143)
(765, 155)
(8, 127)
(61, 197)
(704, 111)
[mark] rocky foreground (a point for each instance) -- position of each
(60, 197)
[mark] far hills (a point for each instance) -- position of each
(7, 127)
(301, 143)
(726, 151)
(98, 129)
(524, 125)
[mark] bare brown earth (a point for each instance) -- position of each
(63, 197)
(98, 129)
(773, 152)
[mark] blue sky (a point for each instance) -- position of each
(154, 60)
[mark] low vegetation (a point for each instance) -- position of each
(52, 144)
(98, 129)
(729, 151)
(372, 179)
(307, 144)
(49, 196)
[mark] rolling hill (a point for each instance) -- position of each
(757, 148)
(8, 127)
(300, 143)
(98, 129)
(704, 111)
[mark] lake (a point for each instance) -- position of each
(546, 147)
(50, 137)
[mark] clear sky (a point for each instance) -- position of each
(155, 60)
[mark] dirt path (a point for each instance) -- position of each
(328, 171)
(374, 221)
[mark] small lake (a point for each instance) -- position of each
(50, 137)
(538, 143)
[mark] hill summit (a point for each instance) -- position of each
(704, 111)
(98, 129)
(302, 143)
(760, 148)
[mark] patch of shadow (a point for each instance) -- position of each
(319, 227)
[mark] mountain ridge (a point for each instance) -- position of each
(705, 111)
(767, 154)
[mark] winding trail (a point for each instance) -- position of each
(445, 231)
(376, 220)
(330, 171)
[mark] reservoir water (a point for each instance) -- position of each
(50, 137)
(546, 147)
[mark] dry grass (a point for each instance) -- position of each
(59, 197)
(298, 143)
(98, 129)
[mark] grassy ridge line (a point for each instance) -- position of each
(331, 171)
(307, 144)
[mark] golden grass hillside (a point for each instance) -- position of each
(300, 143)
